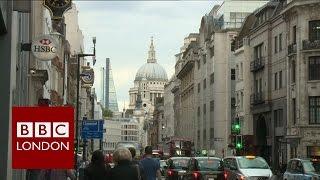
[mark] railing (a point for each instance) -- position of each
(257, 98)
(310, 45)
(257, 64)
(292, 49)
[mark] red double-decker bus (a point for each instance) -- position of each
(175, 147)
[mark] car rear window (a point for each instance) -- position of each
(252, 163)
(179, 163)
(209, 164)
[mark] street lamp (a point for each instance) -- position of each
(78, 89)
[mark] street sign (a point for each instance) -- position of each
(92, 129)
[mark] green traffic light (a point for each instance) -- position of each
(239, 145)
(237, 126)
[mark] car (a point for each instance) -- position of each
(204, 168)
(300, 169)
(163, 167)
(176, 168)
(246, 167)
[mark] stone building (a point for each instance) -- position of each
(168, 102)
(186, 77)
(278, 43)
(302, 23)
(149, 85)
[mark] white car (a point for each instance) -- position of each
(246, 167)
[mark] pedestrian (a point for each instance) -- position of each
(57, 174)
(150, 166)
(97, 169)
(124, 169)
(137, 163)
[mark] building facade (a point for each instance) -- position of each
(302, 22)
(149, 85)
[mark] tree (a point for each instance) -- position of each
(107, 113)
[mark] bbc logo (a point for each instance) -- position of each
(42, 129)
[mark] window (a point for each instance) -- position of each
(198, 134)
(275, 81)
(233, 102)
(314, 68)
(278, 117)
(294, 118)
(294, 34)
(314, 109)
(233, 74)
(204, 58)
(204, 83)
(211, 105)
(293, 72)
(204, 109)
(204, 136)
(199, 87)
(241, 100)
(280, 79)
(275, 44)
(212, 78)
(314, 30)
(198, 113)
(211, 133)
(198, 62)
(258, 51)
(280, 42)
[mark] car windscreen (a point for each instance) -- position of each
(163, 163)
(209, 164)
(252, 163)
(179, 163)
(308, 166)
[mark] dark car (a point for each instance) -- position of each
(204, 168)
(176, 168)
(300, 169)
(163, 167)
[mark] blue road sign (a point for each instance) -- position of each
(92, 129)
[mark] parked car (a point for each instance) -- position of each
(246, 167)
(204, 168)
(300, 169)
(176, 168)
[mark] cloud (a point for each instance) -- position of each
(123, 30)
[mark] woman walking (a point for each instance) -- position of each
(124, 169)
(97, 170)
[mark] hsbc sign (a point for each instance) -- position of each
(44, 47)
(42, 137)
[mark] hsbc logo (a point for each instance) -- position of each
(40, 135)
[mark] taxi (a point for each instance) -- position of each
(246, 167)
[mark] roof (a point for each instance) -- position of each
(152, 72)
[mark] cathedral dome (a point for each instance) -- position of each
(152, 71)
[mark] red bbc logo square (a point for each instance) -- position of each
(42, 137)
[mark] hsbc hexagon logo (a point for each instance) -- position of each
(42, 137)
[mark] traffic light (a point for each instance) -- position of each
(236, 126)
(239, 142)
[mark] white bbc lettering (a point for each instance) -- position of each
(42, 129)
(24, 129)
(60, 129)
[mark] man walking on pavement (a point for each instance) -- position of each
(150, 166)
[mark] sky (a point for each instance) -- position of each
(123, 30)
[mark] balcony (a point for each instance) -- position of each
(257, 98)
(257, 64)
(292, 49)
(311, 45)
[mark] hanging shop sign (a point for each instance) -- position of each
(44, 48)
(87, 77)
(57, 7)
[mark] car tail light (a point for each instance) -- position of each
(170, 172)
(196, 175)
(225, 175)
